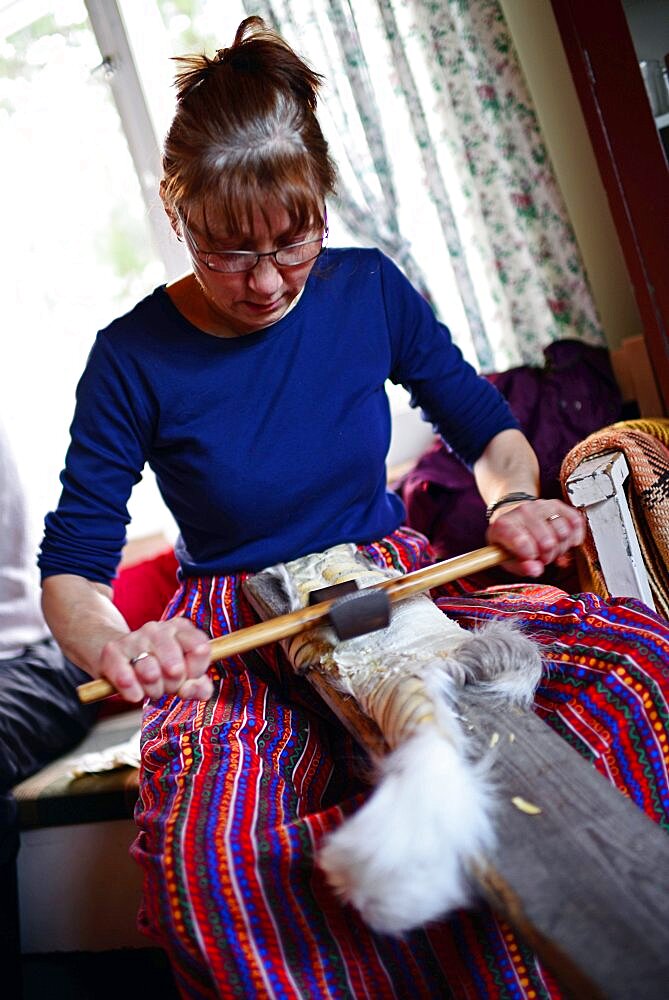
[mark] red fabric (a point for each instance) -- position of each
(142, 591)
(237, 793)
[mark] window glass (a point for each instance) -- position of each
(77, 245)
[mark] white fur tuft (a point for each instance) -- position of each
(401, 859)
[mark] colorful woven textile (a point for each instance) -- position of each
(236, 793)
(645, 444)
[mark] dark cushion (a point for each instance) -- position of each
(53, 798)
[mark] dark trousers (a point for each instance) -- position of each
(40, 719)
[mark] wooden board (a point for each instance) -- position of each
(586, 880)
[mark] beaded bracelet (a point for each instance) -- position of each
(508, 498)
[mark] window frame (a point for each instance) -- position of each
(118, 63)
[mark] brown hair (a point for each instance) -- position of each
(245, 131)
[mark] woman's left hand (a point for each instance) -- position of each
(536, 533)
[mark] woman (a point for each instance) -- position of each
(254, 387)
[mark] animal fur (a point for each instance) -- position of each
(404, 857)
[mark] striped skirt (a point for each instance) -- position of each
(237, 792)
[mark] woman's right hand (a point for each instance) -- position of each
(94, 635)
(170, 657)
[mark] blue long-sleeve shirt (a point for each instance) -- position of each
(266, 446)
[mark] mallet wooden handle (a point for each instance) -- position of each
(285, 626)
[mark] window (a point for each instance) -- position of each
(78, 247)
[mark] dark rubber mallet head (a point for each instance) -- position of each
(333, 591)
(367, 610)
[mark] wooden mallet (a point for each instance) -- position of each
(354, 614)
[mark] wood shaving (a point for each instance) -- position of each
(525, 806)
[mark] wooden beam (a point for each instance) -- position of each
(635, 377)
(584, 880)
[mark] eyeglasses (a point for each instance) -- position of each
(238, 261)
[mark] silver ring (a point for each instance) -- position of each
(140, 656)
(554, 517)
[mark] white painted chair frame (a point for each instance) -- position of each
(597, 488)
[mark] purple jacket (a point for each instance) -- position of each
(557, 406)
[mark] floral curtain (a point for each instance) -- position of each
(519, 227)
(443, 166)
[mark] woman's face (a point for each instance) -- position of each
(246, 301)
